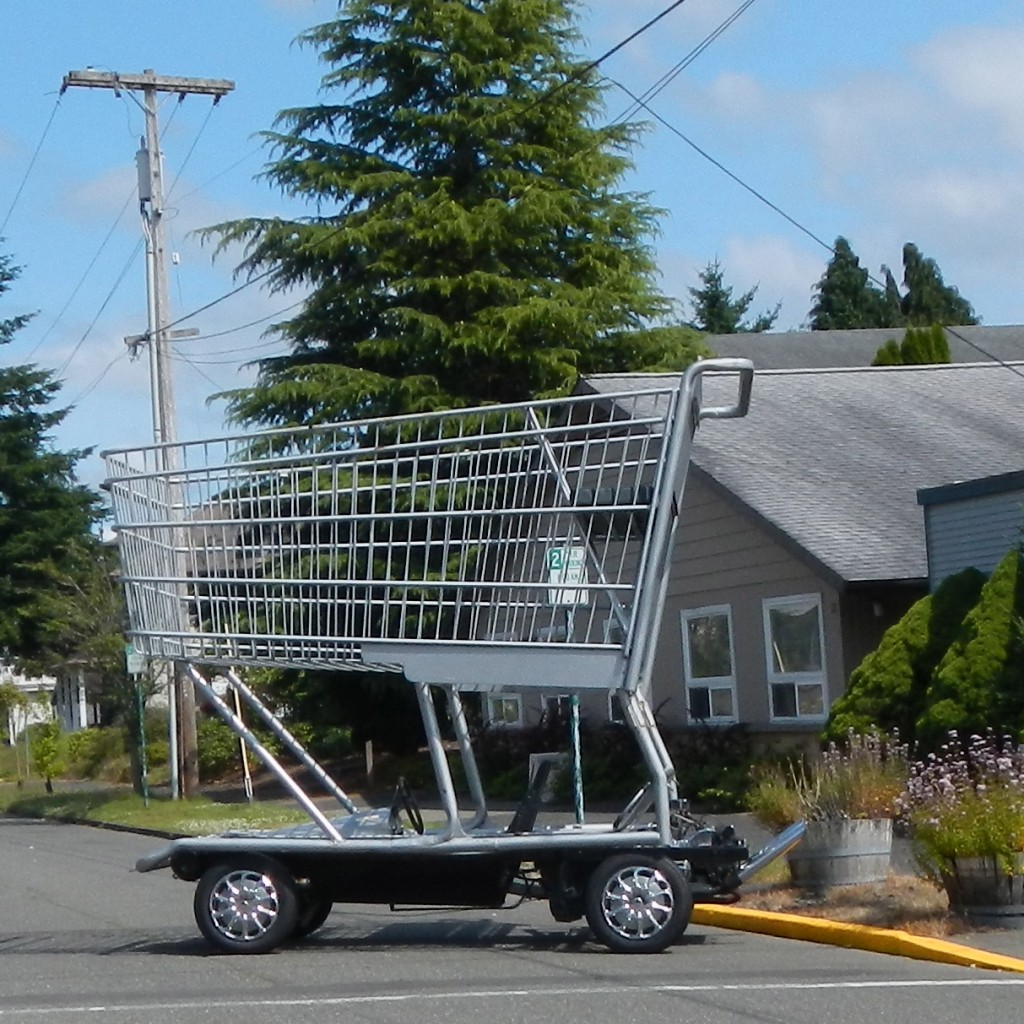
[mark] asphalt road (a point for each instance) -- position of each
(84, 937)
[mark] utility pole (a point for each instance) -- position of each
(181, 693)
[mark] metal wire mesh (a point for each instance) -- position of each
(511, 526)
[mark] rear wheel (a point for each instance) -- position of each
(636, 903)
(246, 906)
(313, 912)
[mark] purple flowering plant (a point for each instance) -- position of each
(967, 800)
(860, 778)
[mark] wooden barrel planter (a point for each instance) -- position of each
(981, 891)
(847, 852)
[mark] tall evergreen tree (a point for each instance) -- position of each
(470, 241)
(927, 299)
(845, 298)
(715, 311)
(45, 516)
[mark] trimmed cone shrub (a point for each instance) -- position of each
(980, 679)
(888, 690)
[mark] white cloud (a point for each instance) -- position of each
(978, 71)
(101, 198)
(782, 271)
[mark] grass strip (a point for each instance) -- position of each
(115, 806)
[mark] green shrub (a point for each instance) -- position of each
(218, 748)
(46, 750)
(91, 752)
(712, 766)
(888, 691)
(980, 679)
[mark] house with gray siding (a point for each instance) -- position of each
(972, 523)
(801, 539)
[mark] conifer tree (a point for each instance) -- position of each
(468, 239)
(715, 311)
(45, 516)
(927, 299)
(845, 298)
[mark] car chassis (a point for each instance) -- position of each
(485, 550)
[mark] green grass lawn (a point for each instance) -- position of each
(116, 806)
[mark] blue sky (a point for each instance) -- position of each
(885, 123)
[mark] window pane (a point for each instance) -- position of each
(784, 700)
(721, 702)
(811, 699)
(505, 710)
(615, 712)
(700, 702)
(796, 638)
(710, 655)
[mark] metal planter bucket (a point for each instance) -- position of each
(982, 892)
(847, 852)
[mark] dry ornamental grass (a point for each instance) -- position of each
(906, 902)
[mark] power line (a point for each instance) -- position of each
(31, 164)
(182, 358)
(193, 361)
(81, 280)
(579, 73)
(587, 68)
(686, 61)
(240, 327)
(99, 312)
(89, 389)
(725, 170)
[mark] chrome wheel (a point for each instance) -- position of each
(246, 908)
(636, 903)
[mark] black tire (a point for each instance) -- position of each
(247, 905)
(636, 903)
(313, 912)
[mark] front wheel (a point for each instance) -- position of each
(247, 906)
(636, 903)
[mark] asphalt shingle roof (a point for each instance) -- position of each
(834, 458)
(798, 350)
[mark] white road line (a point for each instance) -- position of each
(420, 997)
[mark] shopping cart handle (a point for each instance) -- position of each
(745, 369)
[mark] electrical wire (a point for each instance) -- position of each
(89, 389)
(74, 352)
(224, 362)
(180, 357)
(31, 164)
(674, 72)
(587, 68)
(81, 280)
(240, 327)
(725, 170)
(110, 294)
(219, 175)
(579, 73)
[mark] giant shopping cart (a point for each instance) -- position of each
(518, 548)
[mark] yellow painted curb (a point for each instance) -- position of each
(852, 936)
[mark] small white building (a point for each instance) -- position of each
(72, 705)
(65, 697)
(39, 696)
